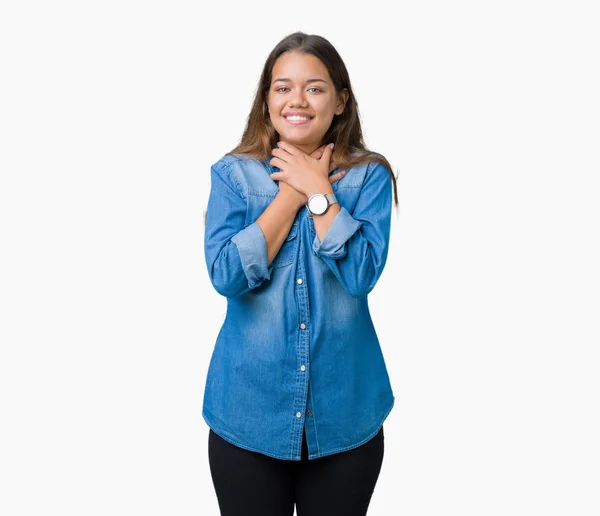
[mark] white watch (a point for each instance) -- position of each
(319, 203)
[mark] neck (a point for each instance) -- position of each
(308, 148)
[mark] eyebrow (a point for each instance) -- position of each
(285, 79)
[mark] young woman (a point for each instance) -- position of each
(296, 236)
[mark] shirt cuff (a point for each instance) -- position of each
(340, 231)
(252, 248)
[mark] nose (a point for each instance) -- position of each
(298, 99)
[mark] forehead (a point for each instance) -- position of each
(298, 66)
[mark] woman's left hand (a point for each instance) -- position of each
(300, 170)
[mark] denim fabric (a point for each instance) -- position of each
(297, 348)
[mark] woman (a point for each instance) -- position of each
(297, 389)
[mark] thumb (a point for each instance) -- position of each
(327, 152)
(318, 152)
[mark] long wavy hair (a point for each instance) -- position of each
(260, 137)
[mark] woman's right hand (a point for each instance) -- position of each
(300, 198)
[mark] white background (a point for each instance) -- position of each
(111, 114)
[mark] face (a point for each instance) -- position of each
(301, 85)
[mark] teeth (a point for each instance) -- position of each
(297, 118)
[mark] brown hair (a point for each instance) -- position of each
(260, 137)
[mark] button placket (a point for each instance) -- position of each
(302, 348)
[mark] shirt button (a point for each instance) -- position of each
(302, 368)
(303, 326)
(298, 414)
(309, 413)
(299, 281)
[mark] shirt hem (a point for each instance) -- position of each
(212, 422)
(356, 445)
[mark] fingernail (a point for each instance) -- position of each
(343, 172)
(331, 145)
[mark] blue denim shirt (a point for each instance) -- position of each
(297, 349)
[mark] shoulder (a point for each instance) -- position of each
(245, 174)
(367, 171)
(231, 162)
(377, 169)
(378, 179)
(229, 159)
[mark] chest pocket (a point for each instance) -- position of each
(289, 248)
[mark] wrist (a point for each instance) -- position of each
(293, 198)
(319, 188)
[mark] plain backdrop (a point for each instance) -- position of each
(111, 114)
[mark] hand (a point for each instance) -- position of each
(301, 198)
(305, 173)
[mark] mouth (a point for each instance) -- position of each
(297, 120)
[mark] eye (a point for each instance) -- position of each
(286, 88)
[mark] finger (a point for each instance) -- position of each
(278, 162)
(288, 147)
(327, 153)
(281, 154)
(337, 177)
(317, 153)
(276, 176)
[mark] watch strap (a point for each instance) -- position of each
(331, 199)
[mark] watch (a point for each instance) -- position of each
(319, 203)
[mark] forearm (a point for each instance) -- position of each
(323, 222)
(276, 222)
(355, 245)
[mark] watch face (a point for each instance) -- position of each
(317, 204)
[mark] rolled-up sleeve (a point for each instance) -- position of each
(252, 249)
(340, 231)
(236, 256)
(356, 244)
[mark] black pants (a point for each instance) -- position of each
(252, 484)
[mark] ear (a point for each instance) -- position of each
(342, 100)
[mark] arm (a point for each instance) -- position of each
(239, 258)
(355, 247)
(277, 219)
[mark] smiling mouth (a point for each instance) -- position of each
(297, 120)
